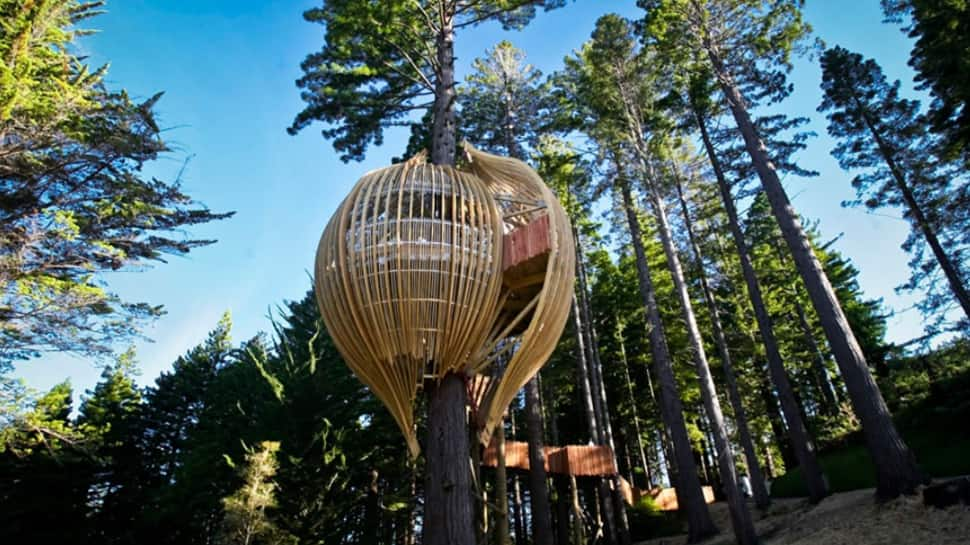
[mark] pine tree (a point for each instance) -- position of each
(941, 58)
(597, 81)
(46, 467)
(637, 126)
(111, 411)
(800, 440)
(246, 520)
(884, 135)
(75, 202)
(749, 50)
(762, 499)
(504, 102)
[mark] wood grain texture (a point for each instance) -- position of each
(409, 279)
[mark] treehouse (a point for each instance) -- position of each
(426, 270)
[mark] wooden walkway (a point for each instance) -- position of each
(584, 461)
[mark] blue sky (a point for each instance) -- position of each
(228, 70)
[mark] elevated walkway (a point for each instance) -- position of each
(584, 461)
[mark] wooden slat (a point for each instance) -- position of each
(526, 242)
(581, 461)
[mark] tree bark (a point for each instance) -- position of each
(578, 529)
(443, 133)
(501, 488)
(740, 516)
(517, 511)
(778, 429)
(762, 500)
(411, 516)
(896, 469)
(800, 440)
(538, 488)
(448, 515)
(769, 460)
(690, 497)
(372, 510)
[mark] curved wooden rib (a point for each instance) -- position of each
(523, 189)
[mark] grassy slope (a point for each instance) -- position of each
(934, 424)
(939, 453)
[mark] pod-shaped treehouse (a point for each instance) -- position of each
(425, 270)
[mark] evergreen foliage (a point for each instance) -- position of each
(272, 440)
(885, 136)
(379, 64)
(941, 58)
(74, 202)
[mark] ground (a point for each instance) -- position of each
(848, 518)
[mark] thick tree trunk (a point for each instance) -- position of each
(538, 488)
(448, 515)
(922, 223)
(740, 516)
(688, 486)
(896, 469)
(501, 488)
(762, 500)
(800, 439)
(443, 133)
(449, 518)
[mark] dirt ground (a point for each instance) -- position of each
(850, 518)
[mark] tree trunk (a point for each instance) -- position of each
(443, 133)
(762, 500)
(449, 518)
(896, 469)
(740, 516)
(411, 516)
(579, 535)
(586, 388)
(818, 361)
(778, 429)
(372, 509)
(800, 440)
(538, 489)
(690, 497)
(769, 460)
(517, 512)
(448, 515)
(922, 223)
(619, 522)
(644, 462)
(501, 488)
